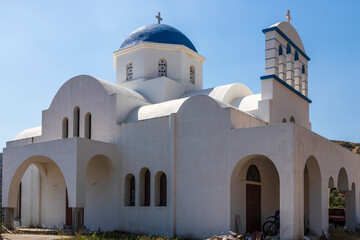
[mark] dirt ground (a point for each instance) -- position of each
(7, 236)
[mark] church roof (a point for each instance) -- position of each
(157, 33)
(28, 133)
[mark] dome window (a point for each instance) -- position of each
(129, 71)
(162, 68)
(192, 74)
(288, 49)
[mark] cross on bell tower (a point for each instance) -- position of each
(288, 16)
(159, 18)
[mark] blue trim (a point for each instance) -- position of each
(287, 39)
(286, 85)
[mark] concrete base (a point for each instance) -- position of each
(9, 218)
(77, 219)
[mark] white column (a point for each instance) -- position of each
(282, 68)
(304, 85)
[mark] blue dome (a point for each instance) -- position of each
(157, 33)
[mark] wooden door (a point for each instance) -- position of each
(68, 213)
(253, 208)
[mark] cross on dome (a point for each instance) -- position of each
(288, 16)
(159, 18)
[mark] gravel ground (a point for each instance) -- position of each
(7, 236)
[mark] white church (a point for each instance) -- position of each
(155, 153)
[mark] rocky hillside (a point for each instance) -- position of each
(354, 147)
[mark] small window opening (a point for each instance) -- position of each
(192, 74)
(88, 125)
(129, 71)
(303, 69)
(296, 58)
(284, 120)
(292, 119)
(65, 127)
(76, 127)
(280, 50)
(160, 189)
(288, 49)
(130, 190)
(253, 174)
(162, 68)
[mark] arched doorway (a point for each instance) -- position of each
(254, 193)
(100, 207)
(41, 199)
(253, 199)
(312, 197)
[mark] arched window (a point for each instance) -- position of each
(160, 189)
(76, 127)
(88, 125)
(280, 50)
(292, 119)
(129, 71)
(253, 174)
(162, 68)
(296, 57)
(303, 69)
(145, 187)
(65, 127)
(284, 120)
(288, 49)
(192, 74)
(130, 190)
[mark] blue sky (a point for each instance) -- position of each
(45, 43)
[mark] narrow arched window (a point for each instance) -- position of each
(65, 127)
(88, 125)
(288, 49)
(130, 190)
(253, 174)
(284, 120)
(76, 127)
(160, 189)
(129, 71)
(145, 187)
(303, 69)
(296, 57)
(280, 50)
(162, 68)
(192, 74)
(292, 119)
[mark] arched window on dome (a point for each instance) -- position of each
(192, 74)
(280, 50)
(76, 126)
(65, 127)
(129, 190)
(88, 125)
(284, 120)
(253, 174)
(162, 68)
(129, 71)
(288, 49)
(303, 69)
(296, 57)
(292, 119)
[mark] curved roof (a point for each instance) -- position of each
(226, 93)
(157, 33)
(290, 32)
(28, 133)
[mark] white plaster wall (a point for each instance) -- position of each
(147, 144)
(30, 204)
(53, 197)
(145, 58)
(90, 96)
